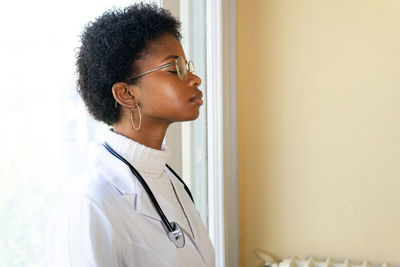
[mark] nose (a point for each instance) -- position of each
(193, 79)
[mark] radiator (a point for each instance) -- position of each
(270, 261)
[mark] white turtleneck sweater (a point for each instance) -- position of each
(111, 221)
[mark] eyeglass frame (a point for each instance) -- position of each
(188, 64)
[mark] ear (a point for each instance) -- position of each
(126, 95)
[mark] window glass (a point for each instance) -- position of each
(45, 130)
(194, 134)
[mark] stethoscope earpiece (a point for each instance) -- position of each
(176, 235)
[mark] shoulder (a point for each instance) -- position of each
(90, 213)
(84, 203)
(107, 183)
(101, 194)
(82, 226)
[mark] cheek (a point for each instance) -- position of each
(164, 98)
(171, 96)
(173, 93)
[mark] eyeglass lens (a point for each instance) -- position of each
(183, 68)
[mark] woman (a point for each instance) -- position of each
(133, 75)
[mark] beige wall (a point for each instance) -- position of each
(319, 128)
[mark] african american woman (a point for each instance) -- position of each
(134, 210)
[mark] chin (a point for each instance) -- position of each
(191, 117)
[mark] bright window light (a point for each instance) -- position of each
(45, 130)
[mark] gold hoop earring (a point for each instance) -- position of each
(140, 118)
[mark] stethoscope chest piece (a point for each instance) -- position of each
(176, 235)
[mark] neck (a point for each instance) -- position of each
(151, 138)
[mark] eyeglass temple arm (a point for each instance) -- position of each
(149, 71)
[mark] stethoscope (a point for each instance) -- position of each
(173, 229)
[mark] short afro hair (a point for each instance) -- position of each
(110, 45)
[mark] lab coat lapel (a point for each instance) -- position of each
(145, 207)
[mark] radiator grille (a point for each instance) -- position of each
(270, 261)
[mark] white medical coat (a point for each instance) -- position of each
(111, 222)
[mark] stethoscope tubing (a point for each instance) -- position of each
(180, 179)
(145, 186)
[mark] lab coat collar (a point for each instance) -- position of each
(112, 169)
(105, 165)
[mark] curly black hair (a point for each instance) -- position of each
(110, 46)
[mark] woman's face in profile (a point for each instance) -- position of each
(163, 95)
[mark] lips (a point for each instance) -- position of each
(197, 98)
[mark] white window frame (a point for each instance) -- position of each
(229, 110)
(215, 122)
(221, 128)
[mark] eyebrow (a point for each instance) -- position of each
(168, 57)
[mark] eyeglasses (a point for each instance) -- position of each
(182, 68)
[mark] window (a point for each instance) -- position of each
(194, 134)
